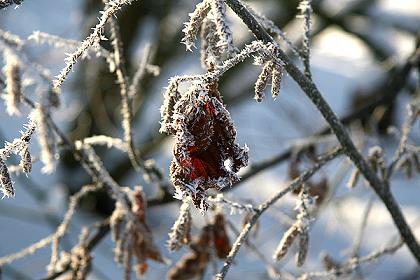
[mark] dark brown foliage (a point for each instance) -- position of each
(195, 262)
(205, 140)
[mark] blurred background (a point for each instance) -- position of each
(359, 51)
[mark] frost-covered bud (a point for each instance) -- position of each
(285, 243)
(192, 27)
(46, 140)
(26, 160)
(262, 81)
(6, 181)
(13, 84)
(276, 79)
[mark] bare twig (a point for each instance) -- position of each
(56, 236)
(126, 109)
(412, 116)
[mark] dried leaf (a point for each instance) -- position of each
(220, 237)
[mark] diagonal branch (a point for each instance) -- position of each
(381, 188)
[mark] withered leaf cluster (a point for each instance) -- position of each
(134, 238)
(213, 238)
(206, 155)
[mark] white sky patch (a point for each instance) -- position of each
(411, 7)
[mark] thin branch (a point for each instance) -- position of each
(412, 116)
(269, 202)
(355, 262)
(272, 271)
(54, 237)
(102, 229)
(126, 109)
(112, 8)
(359, 237)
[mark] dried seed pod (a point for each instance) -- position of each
(191, 266)
(303, 248)
(136, 241)
(13, 84)
(81, 263)
(180, 232)
(286, 241)
(141, 269)
(276, 79)
(192, 27)
(318, 190)
(262, 80)
(46, 140)
(26, 160)
(6, 181)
